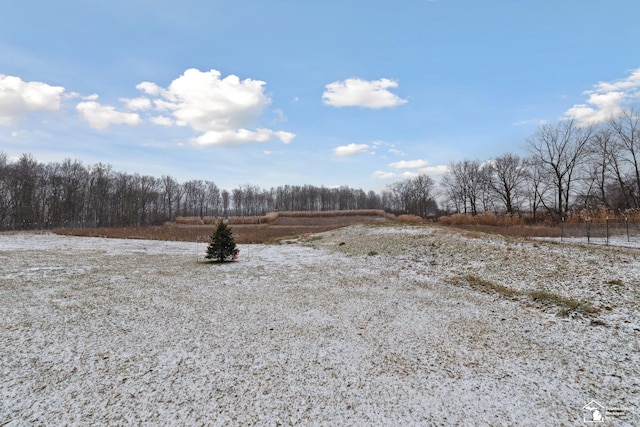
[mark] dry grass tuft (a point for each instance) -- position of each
(565, 305)
(486, 286)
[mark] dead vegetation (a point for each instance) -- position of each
(564, 305)
(574, 224)
(270, 228)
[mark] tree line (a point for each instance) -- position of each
(570, 166)
(34, 195)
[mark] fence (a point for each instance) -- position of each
(618, 232)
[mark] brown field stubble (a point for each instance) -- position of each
(281, 228)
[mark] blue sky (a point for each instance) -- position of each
(274, 92)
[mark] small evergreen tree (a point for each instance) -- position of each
(222, 246)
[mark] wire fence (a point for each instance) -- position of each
(618, 232)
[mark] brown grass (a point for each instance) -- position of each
(273, 216)
(317, 214)
(485, 285)
(411, 219)
(268, 231)
(486, 218)
(601, 215)
(513, 231)
(504, 224)
(565, 305)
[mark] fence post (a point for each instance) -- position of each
(607, 230)
(588, 225)
(562, 229)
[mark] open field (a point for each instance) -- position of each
(364, 325)
(282, 228)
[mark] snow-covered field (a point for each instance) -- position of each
(359, 326)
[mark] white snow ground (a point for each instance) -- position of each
(359, 326)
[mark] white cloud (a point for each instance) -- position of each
(137, 104)
(377, 144)
(18, 98)
(222, 109)
(631, 82)
(411, 169)
(409, 174)
(70, 95)
(149, 88)
(384, 175)
(599, 107)
(285, 137)
(607, 99)
(279, 116)
(434, 170)
(102, 116)
(241, 136)
(362, 93)
(348, 150)
(409, 164)
(527, 122)
(162, 121)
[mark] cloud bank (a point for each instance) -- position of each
(221, 109)
(362, 93)
(607, 99)
(102, 116)
(411, 169)
(350, 149)
(18, 98)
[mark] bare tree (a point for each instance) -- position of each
(505, 175)
(169, 189)
(602, 158)
(225, 197)
(463, 185)
(559, 150)
(25, 176)
(213, 199)
(415, 196)
(626, 131)
(5, 195)
(100, 193)
(536, 184)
